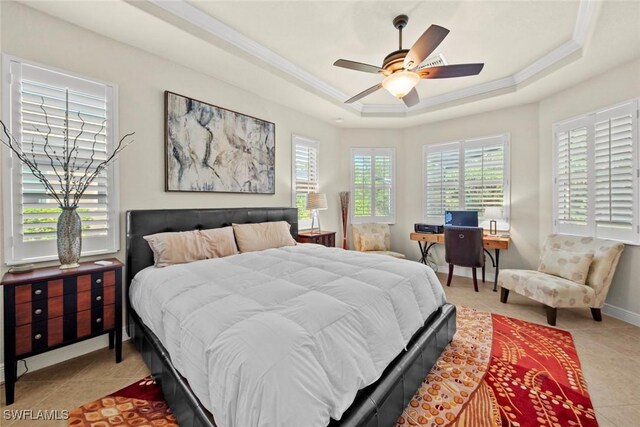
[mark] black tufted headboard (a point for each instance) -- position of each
(144, 222)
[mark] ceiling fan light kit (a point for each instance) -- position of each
(400, 83)
(402, 69)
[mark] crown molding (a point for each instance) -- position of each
(183, 10)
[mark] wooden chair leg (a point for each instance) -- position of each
(504, 295)
(475, 279)
(597, 314)
(551, 315)
(450, 275)
(483, 274)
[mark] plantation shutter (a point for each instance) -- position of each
(35, 91)
(373, 185)
(571, 182)
(616, 173)
(596, 175)
(484, 174)
(441, 179)
(467, 175)
(306, 165)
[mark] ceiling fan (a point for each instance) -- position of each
(402, 69)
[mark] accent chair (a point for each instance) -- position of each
(373, 239)
(573, 272)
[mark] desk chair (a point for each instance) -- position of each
(463, 247)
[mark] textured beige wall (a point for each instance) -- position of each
(142, 79)
(615, 86)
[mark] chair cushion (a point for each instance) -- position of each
(390, 253)
(570, 265)
(547, 289)
(359, 230)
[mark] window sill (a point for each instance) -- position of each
(49, 259)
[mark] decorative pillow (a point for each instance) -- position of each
(188, 246)
(372, 242)
(263, 235)
(175, 248)
(570, 265)
(218, 242)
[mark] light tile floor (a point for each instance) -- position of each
(609, 352)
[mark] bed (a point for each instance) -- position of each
(378, 404)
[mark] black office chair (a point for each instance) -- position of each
(463, 247)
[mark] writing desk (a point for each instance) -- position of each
(497, 243)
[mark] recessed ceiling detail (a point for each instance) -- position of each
(567, 51)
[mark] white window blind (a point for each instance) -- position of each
(373, 185)
(467, 175)
(305, 176)
(596, 174)
(31, 212)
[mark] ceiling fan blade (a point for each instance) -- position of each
(411, 98)
(424, 46)
(446, 71)
(363, 93)
(358, 66)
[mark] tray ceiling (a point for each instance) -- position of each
(284, 51)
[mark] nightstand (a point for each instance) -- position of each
(48, 308)
(327, 238)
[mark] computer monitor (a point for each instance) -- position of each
(461, 218)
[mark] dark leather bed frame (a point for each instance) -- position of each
(379, 404)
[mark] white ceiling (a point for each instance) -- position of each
(284, 51)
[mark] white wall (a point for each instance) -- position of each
(142, 79)
(614, 86)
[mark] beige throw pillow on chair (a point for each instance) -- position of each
(372, 242)
(569, 265)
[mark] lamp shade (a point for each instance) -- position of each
(316, 201)
(493, 212)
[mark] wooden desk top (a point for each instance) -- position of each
(490, 241)
(39, 274)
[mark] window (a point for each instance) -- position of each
(468, 175)
(596, 174)
(30, 212)
(373, 185)
(305, 176)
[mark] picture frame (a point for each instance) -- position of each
(214, 149)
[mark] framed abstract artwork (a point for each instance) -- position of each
(212, 149)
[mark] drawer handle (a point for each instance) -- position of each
(98, 281)
(99, 320)
(37, 291)
(38, 336)
(38, 311)
(99, 298)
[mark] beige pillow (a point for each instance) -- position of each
(263, 235)
(570, 265)
(188, 246)
(175, 248)
(372, 242)
(218, 242)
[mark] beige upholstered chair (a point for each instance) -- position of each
(373, 238)
(558, 292)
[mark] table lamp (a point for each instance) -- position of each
(316, 202)
(493, 212)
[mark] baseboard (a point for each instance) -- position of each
(65, 353)
(621, 314)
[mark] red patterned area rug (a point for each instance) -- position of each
(141, 404)
(501, 371)
(497, 371)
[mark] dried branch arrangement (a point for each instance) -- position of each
(73, 177)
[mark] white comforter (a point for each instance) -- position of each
(285, 337)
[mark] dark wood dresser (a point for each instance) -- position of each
(327, 238)
(49, 308)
